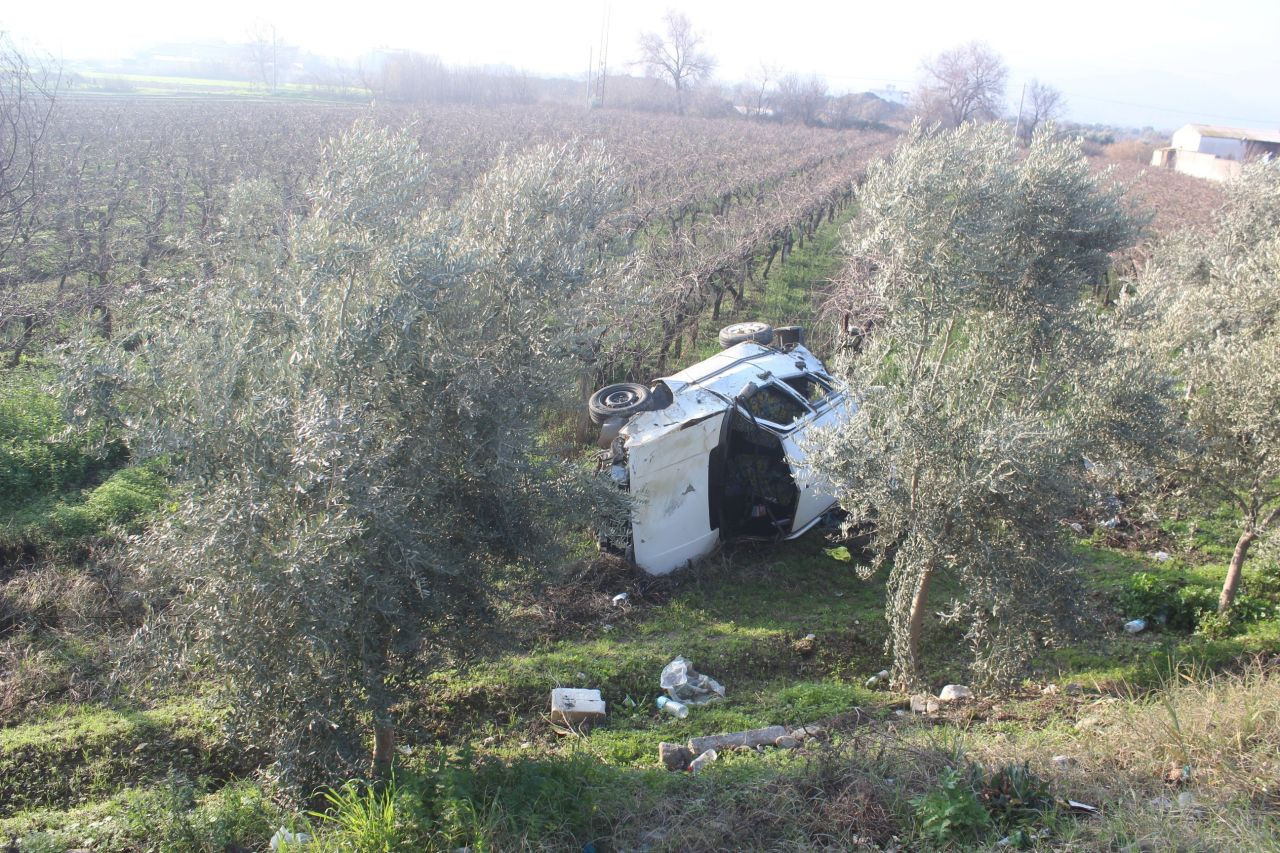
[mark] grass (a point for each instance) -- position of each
(58, 486)
(490, 771)
(112, 84)
(82, 753)
(485, 768)
(788, 296)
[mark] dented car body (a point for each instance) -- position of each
(715, 452)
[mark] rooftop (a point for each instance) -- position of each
(1253, 135)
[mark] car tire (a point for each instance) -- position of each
(618, 401)
(738, 333)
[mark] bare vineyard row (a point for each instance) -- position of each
(128, 191)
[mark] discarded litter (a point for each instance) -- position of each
(685, 684)
(702, 760)
(1083, 807)
(805, 732)
(576, 705)
(1160, 556)
(291, 839)
(1135, 625)
(620, 599)
(673, 707)
(882, 675)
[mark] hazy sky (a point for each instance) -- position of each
(1160, 63)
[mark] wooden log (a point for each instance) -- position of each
(751, 737)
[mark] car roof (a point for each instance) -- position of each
(706, 388)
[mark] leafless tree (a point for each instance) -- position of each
(963, 84)
(678, 55)
(264, 51)
(753, 93)
(801, 99)
(27, 91)
(1044, 104)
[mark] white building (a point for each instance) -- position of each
(1213, 152)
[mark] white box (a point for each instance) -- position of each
(574, 704)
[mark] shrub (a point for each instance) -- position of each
(1132, 150)
(1179, 605)
(952, 812)
(1015, 797)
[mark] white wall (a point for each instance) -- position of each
(1203, 165)
(1187, 138)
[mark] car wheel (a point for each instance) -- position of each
(761, 333)
(618, 401)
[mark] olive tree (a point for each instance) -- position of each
(1209, 304)
(983, 381)
(354, 409)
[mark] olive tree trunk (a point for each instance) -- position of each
(1232, 583)
(915, 622)
(1234, 571)
(384, 746)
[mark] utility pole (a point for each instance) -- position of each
(1017, 126)
(604, 54)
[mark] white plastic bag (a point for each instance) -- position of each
(686, 685)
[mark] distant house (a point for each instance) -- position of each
(1213, 152)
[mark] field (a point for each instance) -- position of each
(1171, 734)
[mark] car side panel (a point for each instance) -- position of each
(670, 522)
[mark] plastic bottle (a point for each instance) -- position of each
(671, 706)
(702, 761)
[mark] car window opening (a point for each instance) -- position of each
(808, 387)
(759, 498)
(774, 405)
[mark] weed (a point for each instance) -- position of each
(952, 812)
(1015, 797)
(368, 817)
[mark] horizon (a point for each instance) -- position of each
(1131, 72)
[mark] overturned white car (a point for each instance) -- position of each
(713, 453)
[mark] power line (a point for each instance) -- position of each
(1169, 109)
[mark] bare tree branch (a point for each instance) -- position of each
(678, 56)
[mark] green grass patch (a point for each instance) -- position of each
(59, 486)
(175, 815)
(81, 753)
